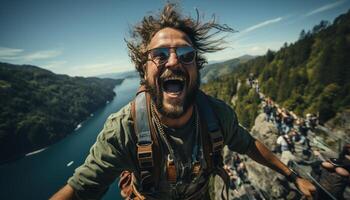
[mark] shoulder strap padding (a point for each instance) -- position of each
(148, 150)
(213, 141)
(211, 130)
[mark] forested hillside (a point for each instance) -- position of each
(212, 71)
(311, 75)
(39, 107)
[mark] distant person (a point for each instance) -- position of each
(273, 112)
(167, 142)
(304, 142)
(278, 121)
(286, 148)
(311, 121)
(302, 127)
(267, 111)
(288, 122)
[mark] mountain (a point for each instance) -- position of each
(39, 107)
(215, 70)
(311, 75)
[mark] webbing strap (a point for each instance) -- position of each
(213, 126)
(143, 130)
(144, 142)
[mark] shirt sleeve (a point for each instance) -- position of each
(236, 137)
(108, 157)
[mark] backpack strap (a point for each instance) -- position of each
(210, 126)
(144, 143)
(148, 152)
(213, 141)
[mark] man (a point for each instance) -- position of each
(287, 147)
(168, 53)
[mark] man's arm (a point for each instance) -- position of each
(66, 193)
(264, 156)
(109, 156)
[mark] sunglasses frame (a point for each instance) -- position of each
(168, 55)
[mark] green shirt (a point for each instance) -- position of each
(115, 151)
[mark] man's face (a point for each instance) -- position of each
(173, 85)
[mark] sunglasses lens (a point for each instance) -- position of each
(186, 54)
(160, 55)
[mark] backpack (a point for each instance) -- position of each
(149, 155)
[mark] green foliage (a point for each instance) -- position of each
(311, 75)
(39, 107)
(222, 88)
(247, 105)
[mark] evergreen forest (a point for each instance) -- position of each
(39, 107)
(311, 75)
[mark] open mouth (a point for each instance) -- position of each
(174, 84)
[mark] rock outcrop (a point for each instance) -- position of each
(340, 125)
(262, 177)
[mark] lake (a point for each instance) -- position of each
(42, 173)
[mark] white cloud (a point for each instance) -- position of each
(324, 8)
(39, 55)
(9, 52)
(262, 24)
(20, 55)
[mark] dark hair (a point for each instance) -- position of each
(199, 33)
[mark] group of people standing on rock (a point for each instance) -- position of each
(254, 83)
(331, 174)
(291, 129)
(240, 185)
(236, 169)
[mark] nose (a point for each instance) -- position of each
(173, 61)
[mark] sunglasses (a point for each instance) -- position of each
(160, 56)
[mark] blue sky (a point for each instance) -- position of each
(86, 38)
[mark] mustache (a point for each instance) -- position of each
(170, 73)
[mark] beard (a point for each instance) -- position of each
(174, 108)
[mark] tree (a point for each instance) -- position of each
(302, 34)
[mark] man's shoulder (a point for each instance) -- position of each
(220, 107)
(122, 116)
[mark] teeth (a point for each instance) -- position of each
(179, 78)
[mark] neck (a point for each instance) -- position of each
(176, 122)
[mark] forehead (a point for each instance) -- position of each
(169, 37)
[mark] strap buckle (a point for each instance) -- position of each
(217, 142)
(171, 170)
(145, 155)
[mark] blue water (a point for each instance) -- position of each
(40, 175)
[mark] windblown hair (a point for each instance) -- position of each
(199, 33)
